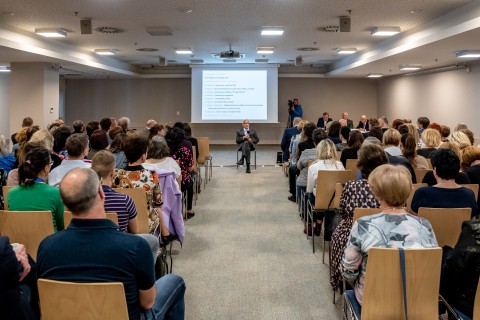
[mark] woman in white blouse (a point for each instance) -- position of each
(326, 160)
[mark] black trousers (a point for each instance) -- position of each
(188, 189)
(293, 172)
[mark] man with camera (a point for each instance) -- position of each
(294, 110)
(246, 139)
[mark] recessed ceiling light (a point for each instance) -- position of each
(184, 51)
(410, 67)
(374, 75)
(265, 50)
(272, 31)
(105, 52)
(4, 69)
(385, 31)
(346, 50)
(468, 54)
(51, 32)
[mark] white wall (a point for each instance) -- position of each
(446, 98)
(4, 104)
(161, 99)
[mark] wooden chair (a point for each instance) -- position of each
(473, 187)
(429, 162)
(4, 192)
(208, 157)
(201, 161)
(352, 166)
(415, 187)
(67, 218)
(446, 223)
(420, 174)
(26, 227)
(70, 300)
(139, 197)
(325, 188)
(363, 212)
(383, 293)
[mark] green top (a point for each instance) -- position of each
(38, 197)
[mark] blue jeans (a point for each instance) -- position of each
(169, 302)
(152, 243)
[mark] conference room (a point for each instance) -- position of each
(214, 64)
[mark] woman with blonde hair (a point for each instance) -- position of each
(326, 160)
(461, 139)
(431, 138)
(393, 227)
(413, 131)
(391, 141)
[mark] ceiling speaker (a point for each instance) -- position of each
(298, 61)
(345, 23)
(163, 61)
(86, 26)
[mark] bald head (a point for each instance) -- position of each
(79, 190)
(151, 123)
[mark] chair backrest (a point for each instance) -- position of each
(201, 152)
(26, 227)
(352, 165)
(205, 144)
(69, 300)
(363, 212)
(194, 151)
(326, 184)
(420, 174)
(446, 223)
(415, 187)
(473, 187)
(429, 162)
(4, 192)
(139, 197)
(67, 217)
(383, 293)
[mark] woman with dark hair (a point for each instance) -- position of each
(446, 193)
(397, 123)
(135, 175)
(188, 136)
(409, 151)
(180, 150)
(354, 143)
(376, 132)
(157, 158)
(60, 137)
(155, 130)
(33, 174)
(307, 139)
(334, 132)
(356, 194)
(116, 147)
(98, 141)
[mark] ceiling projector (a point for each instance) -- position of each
(230, 54)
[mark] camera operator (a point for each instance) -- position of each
(294, 110)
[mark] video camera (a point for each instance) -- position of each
(290, 104)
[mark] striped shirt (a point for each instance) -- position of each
(120, 203)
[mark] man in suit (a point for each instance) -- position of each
(247, 139)
(349, 122)
(363, 124)
(322, 122)
(287, 137)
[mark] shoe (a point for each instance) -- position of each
(317, 229)
(190, 215)
(248, 169)
(292, 198)
(308, 229)
(167, 239)
(240, 162)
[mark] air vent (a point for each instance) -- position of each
(172, 61)
(147, 49)
(328, 29)
(109, 30)
(159, 31)
(308, 49)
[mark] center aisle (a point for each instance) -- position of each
(245, 255)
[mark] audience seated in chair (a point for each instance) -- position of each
(446, 193)
(246, 138)
(392, 228)
(106, 254)
(356, 194)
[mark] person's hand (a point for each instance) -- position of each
(249, 139)
(22, 257)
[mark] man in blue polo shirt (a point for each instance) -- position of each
(92, 249)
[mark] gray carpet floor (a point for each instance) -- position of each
(245, 255)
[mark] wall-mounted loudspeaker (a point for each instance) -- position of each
(298, 61)
(345, 23)
(86, 26)
(163, 61)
